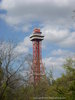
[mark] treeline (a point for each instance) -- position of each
(14, 84)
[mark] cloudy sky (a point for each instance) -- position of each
(55, 18)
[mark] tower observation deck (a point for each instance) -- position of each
(37, 68)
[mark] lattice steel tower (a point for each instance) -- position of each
(37, 68)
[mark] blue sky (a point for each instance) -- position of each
(56, 20)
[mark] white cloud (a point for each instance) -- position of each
(54, 62)
(54, 12)
(69, 41)
(54, 35)
(26, 28)
(57, 60)
(23, 47)
(63, 53)
(6, 4)
(59, 36)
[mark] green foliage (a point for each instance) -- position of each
(1, 74)
(61, 87)
(69, 66)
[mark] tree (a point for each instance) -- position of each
(49, 76)
(11, 67)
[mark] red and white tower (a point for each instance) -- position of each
(37, 68)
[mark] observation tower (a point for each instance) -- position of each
(37, 68)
